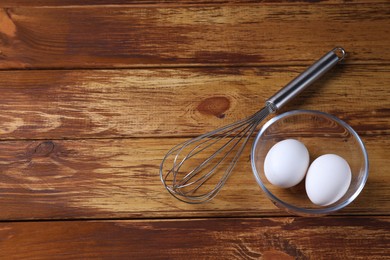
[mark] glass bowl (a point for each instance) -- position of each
(321, 133)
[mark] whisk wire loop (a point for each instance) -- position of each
(185, 188)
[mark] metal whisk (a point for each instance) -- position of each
(195, 170)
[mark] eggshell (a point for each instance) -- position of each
(327, 179)
(286, 163)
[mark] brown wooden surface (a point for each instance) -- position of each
(268, 238)
(13, 3)
(119, 178)
(140, 103)
(112, 85)
(66, 37)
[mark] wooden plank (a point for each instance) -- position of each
(277, 238)
(124, 36)
(120, 178)
(177, 102)
(15, 3)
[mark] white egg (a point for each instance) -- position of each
(327, 179)
(286, 163)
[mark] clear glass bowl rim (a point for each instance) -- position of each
(292, 208)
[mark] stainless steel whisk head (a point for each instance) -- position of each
(201, 180)
(195, 170)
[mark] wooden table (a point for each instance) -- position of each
(93, 95)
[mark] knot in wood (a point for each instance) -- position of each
(216, 106)
(44, 148)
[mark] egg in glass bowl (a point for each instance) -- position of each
(309, 163)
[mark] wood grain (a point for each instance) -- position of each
(122, 36)
(13, 3)
(120, 178)
(112, 85)
(177, 102)
(277, 238)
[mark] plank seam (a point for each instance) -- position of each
(278, 216)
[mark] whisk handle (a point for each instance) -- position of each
(305, 79)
